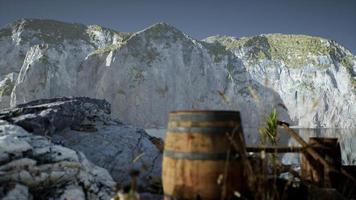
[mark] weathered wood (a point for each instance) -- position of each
(315, 154)
(314, 171)
(240, 146)
(275, 149)
(199, 159)
(345, 186)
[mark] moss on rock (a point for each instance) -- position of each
(54, 32)
(347, 61)
(6, 88)
(163, 31)
(106, 49)
(5, 32)
(217, 50)
(121, 36)
(294, 50)
(137, 75)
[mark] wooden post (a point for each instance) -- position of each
(315, 154)
(313, 171)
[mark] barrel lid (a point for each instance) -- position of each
(203, 115)
(204, 111)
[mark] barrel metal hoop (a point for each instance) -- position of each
(203, 130)
(199, 155)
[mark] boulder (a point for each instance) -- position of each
(32, 167)
(119, 149)
(84, 124)
(47, 116)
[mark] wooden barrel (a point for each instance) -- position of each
(199, 160)
(314, 171)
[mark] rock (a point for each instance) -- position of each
(16, 191)
(46, 116)
(315, 77)
(84, 125)
(6, 86)
(118, 149)
(144, 75)
(32, 167)
(38, 46)
(134, 78)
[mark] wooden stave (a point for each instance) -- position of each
(203, 127)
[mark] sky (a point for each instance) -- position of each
(332, 19)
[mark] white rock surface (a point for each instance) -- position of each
(160, 69)
(315, 77)
(145, 75)
(119, 149)
(43, 170)
(18, 192)
(84, 125)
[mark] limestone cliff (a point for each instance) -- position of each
(144, 75)
(315, 77)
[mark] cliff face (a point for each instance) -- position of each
(161, 69)
(144, 75)
(39, 57)
(315, 77)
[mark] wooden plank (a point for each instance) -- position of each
(315, 154)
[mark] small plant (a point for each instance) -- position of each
(270, 131)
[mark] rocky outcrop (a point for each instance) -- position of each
(119, 149)
(146, 74)
(47, 116)
(315, 77)
(134, 77)
(38, 47)
(32, 167)
(84, 125)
